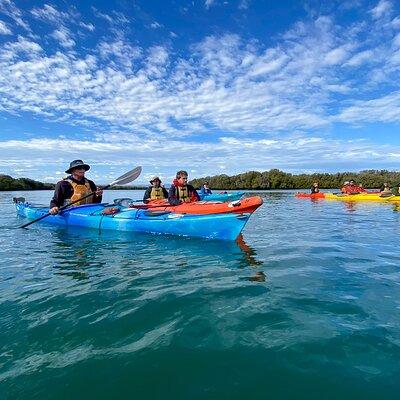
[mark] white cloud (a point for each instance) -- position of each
(383, 8)
(360, 58)
(209, 3)
(335, 56)
(50, 14)
(225, 86)
(119, 53)
(385, 109)
(396, 41)
(4, 30)
(63, 35)
(7, 7)
(263, 67)
(233, 154)
(89, 27)
(155, 25)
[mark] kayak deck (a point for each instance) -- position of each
(246, 205)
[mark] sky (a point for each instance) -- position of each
(209, 86)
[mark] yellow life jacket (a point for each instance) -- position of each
(80, 190)
(157, 193)
(183, 194)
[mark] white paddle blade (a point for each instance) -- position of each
(128, 177)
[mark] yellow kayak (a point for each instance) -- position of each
(361, 197)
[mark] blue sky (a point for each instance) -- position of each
(210, 86)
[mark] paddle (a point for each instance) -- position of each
(122, 180)
(387, 195)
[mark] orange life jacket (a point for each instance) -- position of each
(80, 190)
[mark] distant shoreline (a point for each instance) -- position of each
(273, 179)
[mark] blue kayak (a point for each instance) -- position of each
(222, 196)
(214, 226)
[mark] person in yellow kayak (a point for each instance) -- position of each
(396, 190)
(352, 188)
(315, 188)
(180, 191)
(385, 188)
(155, 191)
(75, 186)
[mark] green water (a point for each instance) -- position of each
(306, 307)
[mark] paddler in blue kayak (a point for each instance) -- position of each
(74, 187)
(155, 191)
(205, 190)
(180, 191)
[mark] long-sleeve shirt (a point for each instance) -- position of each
(64, 191)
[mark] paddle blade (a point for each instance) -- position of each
(128, 177)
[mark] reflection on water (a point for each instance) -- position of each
(74, 250)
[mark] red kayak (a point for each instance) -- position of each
(246, 205)
(319, 195)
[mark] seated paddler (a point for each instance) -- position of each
(180, 191)
(315, 188)
(205, 190)
(156, 191)
(73, 187)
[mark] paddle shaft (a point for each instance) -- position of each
(62, 208)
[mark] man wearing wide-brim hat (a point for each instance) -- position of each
(156, 191)
(74, 187)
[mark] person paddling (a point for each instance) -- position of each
(396, 190)
(315, 188)
(74, 187)
(385, 188)
(155, 191)
(180, 191)
(205, 190)
(351, 188)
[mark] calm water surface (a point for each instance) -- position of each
(306, 306)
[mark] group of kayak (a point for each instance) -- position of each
(77, 201)
(353, 192)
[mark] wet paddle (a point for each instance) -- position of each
(122, 180)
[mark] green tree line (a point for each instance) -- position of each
(276, 179)
(9, 183)
(272, 179)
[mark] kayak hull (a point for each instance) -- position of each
(216, 226)
(359, 197)
(222, 196)
(366, 196)
(246, 205)
(319, 195)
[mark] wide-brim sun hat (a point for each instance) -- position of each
(77, 164)
(154, 178)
